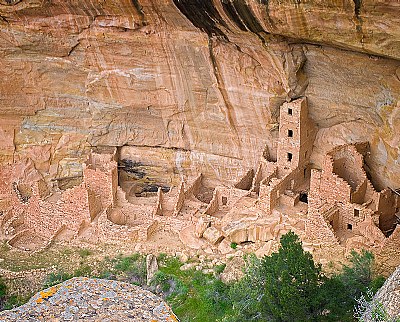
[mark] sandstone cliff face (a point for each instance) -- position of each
(184, 87)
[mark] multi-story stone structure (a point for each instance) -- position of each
(333, 209)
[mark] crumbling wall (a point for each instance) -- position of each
(101, 183)
(317, 229)
(194, 188)
(214, 205)
(348, 164)
(109, 232)
(327, 186)
(229, 196)
(265, 172)
(45, 217)
(182, 195)
(358, 196)
(95, 204)
(158, 209)
(387, 256)
(245, 183)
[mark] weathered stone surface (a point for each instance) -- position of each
(151, 267)
(182, 88)
(213, 235)
(92, 300)
(233, 270)
(115, 74)
(389, 296)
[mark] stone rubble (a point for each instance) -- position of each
(84, 299)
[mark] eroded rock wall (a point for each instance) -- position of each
(196, 84)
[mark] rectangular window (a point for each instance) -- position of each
(290, 111)
(356, 213)
(289, 157)
(224, 201)
(290, 133)
(349, 226)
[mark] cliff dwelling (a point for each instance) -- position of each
(122, 199)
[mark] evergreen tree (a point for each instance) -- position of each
(292, 282)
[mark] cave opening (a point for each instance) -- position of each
(303, 197)
(138, 178)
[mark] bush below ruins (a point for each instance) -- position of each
(286, 286)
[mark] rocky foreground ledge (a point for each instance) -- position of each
(86, 299)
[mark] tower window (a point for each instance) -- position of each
(290, 111)
(289, 157)
(224, 201)
(349, 226)
(356, 213)
(290, 133)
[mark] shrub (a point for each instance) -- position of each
(84, 252)
(56, 278)
(133, 268)
(83, 270)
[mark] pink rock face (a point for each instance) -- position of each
(81, 74)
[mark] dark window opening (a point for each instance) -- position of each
(305, 154)
(331, 223)
(356, 213)
(349, 226)
(290, 111)
(289, 157)
(303, 197)
(290, 133)
(305, 172)
(224, 201)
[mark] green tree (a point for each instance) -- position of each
(246, 294)
(292, 282)
(358, 277)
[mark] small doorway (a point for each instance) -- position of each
(303, 197)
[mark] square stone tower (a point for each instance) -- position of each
(296, 135)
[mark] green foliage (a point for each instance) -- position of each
(234, 245)
(3, 288)
(56, 278)
(193, 296)
(14, 301)
(219, 268)
(291, 283)
(358, 275)
(288, 286)
(83, 270)
(133, 268)
(84, 252)
(246, 294)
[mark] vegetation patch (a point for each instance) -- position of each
(285, 286)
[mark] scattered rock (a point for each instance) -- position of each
(213, 235)
(202, 224)
(151, 267)
(389, 297)
(225, 247)
(233, 270)
(264, 250)
(87, 299)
